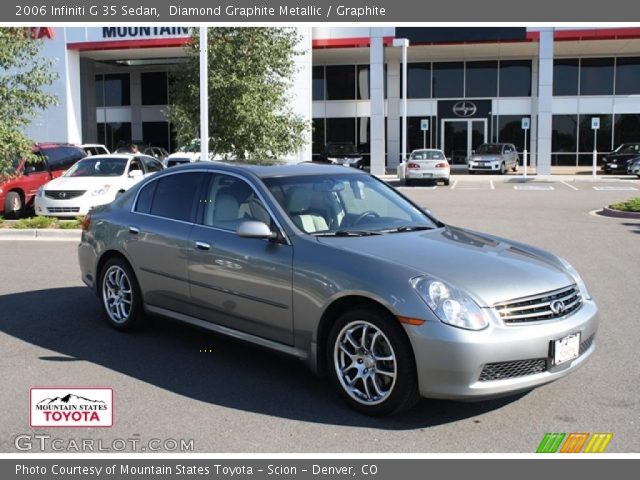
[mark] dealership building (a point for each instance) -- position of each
(465, 86)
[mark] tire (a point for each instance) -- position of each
(503, 168)
(447, 181)
(407, 182)
(472, 172)
(378, 386)
(515, 167)
(13, 205)
(118, 283)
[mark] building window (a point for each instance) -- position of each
(317, 138)
(448, 80)
(596, 76)
(482, 79)
(154, 88)
(113, 90)
(416, 138)
(156, 134)
(510, 131)
(565, 76)
(114, 135)
(340, 130)
(341, 82)
(418, 80)
(363, 142)
(363, 82)
(585, 136)
(627, 75)
(564, 140)
(515, 78)
(626, 128)
(318, 83)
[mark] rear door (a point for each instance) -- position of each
(34, 175)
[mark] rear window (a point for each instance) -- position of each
(175, 196)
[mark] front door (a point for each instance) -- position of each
(460, 137)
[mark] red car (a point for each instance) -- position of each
(17, 193)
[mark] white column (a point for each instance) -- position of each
(393, 112)
(204, 95)
(545, 100)
(534, 115)
(301, 92)
(376, 87)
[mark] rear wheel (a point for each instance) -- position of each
(515, 167)
(407, 182)
(120, 295)
(371, 362)
(503, 168)
(447, 181)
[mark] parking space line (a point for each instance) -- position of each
(614, 189)
(538, 188)
(493, 187)
(432, 187)
(454, 184)
(570, 186)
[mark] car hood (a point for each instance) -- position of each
(486, 156)
(490, 269)
(618, 157)
(80, 183)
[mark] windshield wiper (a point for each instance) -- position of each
(409, 228)
(347, 233)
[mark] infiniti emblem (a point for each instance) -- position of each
(465, 109)
(557, 307)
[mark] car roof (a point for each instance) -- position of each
(124, 156)
(279, 169)
(426, 150)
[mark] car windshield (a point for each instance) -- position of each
(426, 155)
(98, 167)
(341, 149)
(628, 148)
(346, 205)
(490, 148)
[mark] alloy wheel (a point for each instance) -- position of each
(117, 294)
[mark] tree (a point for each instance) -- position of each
(23, 74)
(250, 72)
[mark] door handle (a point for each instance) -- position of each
(134, 230)
(203, 246)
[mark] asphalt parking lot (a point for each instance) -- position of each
(239, 398)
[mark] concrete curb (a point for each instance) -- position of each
(48, 234)
(609, 212)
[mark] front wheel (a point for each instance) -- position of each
(503, 168)
(515, 167)
(13, 205)
(120, 295)
(371, 362)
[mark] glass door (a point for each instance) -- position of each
(460, 137)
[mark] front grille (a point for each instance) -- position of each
(537, 308)
(523, 368)
(63, 209)
(63, 194)
(514, 369)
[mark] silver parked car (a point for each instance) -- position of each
(340, 270)
(494, 157)
(425, 164)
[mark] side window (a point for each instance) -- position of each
(229, 200)
(62, 158)
(175, 196)
(145, 198)
(151, 164)
(33, 166)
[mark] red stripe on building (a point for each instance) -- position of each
(351, 42)
(128, 44)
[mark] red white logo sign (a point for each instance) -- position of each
(70, 407)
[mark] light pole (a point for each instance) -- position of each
(404, 43)
(204, 96)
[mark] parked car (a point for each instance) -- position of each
(94, 149)
(339, 270)
(18, 191)
(620, 159)
(95, 180)
(494, 157)
(344, 153)
(634, 167)
(156, 152)
(425, 164)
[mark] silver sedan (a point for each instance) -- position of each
(337, 269)
(425, 165)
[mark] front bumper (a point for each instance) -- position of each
(69, 208)
(487, 166)
(450, 361)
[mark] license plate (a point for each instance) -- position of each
(613, 165)
(482, 163)
(346, 164)
(427, 175)
(566, 348)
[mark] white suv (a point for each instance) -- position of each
(494, 157)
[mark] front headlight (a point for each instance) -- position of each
(450, 304)
(102, 190)
(576, 276)
(39, 193)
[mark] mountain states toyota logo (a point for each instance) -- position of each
(70, 407)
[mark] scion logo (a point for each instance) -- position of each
(71, 407)
(465, 109)
(574, 443)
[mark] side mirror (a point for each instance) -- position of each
(135, 174)
(255, 229)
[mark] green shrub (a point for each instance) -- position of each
(34, 222)
(69, 224)
(632, 205)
